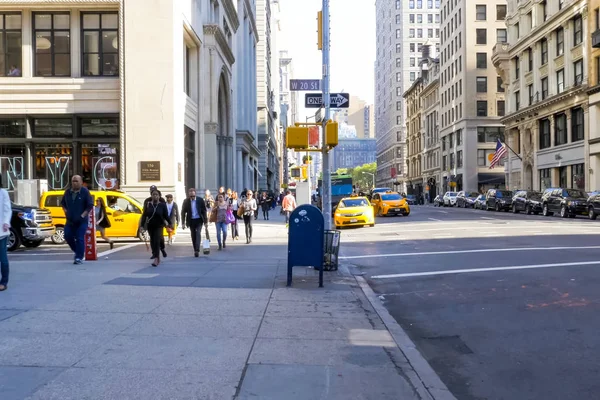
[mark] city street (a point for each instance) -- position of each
(502, 306)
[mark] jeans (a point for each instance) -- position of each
(248, 223)
(3, 261)
(75, 237)
(235, 228)
(287, 216)
(266, 213)
(221, 232)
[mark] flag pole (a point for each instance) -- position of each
(514, 152)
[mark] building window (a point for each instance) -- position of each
(481, 60)
(480, 12)
(562, 176)
(578, 176)
(544, 133)
(500, 12)
(54, 162)
(481, 158)
(560, 41)
(544, 6)
(530, 59)
(12, 128)
(517, 63)
(501, 108)
(577, 126)
(398, 105)
(530, 93)
(398, 76)
(100, 44)
(399, 48)
(482, 108)
(100, 166)
(99, 126)
(517, 100)
(501, 36)
(545, 178)
(499, 85)
(560, 81)
(578, 70)
(398, 33)
(560, 129)
(412, 76)
(577, 30)
(481, 36)
(544, 51)
(53, 127)
(10, 44)
(490, 134)
(398, 63)
(544, 88)
(398, 19)
(52, 43)
(413, 62)
(459, 137)
(459, 159)
(481, 84)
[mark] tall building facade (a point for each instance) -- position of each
(81, 94)
(545, 69)
(288, 100)
(594, 93)
(430, 100)
(247, 151)
(403, 27)
(351, 153)
(414, 138)
(472, 98)
(267, 66)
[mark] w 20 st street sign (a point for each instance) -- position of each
(305, 84)
(337, 100)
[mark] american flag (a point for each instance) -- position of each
(499, 154)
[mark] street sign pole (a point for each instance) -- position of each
(326, 190)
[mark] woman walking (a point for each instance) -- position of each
(155, 219)
(221, 208)
(249, 207)
(5, 216)
(235, 205)
(265, 205)
(102, 221)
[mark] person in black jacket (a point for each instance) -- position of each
(193, 216)
(102, 221)
(155, 219)
(161, 200)
(77, 203)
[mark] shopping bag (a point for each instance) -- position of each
(206, 246)
(230, 217)
(206, 233)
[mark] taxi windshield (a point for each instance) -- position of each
(391, 196)
(353, 203)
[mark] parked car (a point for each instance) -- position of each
(568, 202)
(497, 199)
(528, 201)
(438, 201)
(30, 226)
(450, 199)
(480, 202)
(466, 199)
(593, 204)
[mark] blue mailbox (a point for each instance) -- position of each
(306, 240)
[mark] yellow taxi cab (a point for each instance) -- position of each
(122, 210)
(390, 203)
(354, 211)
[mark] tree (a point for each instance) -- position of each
(362, 176)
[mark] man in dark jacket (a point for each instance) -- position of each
(193, 216)
(161, 200)
(77, 203)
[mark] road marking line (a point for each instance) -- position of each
(492, 219)
(499, 250)
(491, 269)
(129, 246)
(443, 212)
(436, 220)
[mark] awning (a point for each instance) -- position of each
(491, 179)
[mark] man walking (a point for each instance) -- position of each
(193, 216)
(5, 217)
(288, 204)
(77, 203)
(160, 200)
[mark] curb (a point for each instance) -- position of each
(424, 379)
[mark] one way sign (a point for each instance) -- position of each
(338, 100)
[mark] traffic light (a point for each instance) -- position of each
(297, 137)
(320, 30)
(331, 133)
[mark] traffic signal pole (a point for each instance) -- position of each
(326, 189)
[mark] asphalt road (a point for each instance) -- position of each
(503, 306)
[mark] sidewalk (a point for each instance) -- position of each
(222, 326)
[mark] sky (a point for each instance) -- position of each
(352, 44)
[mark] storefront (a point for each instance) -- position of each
(33, 147)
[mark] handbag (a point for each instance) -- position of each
(240, 211)
(230, 219)
(213, 215)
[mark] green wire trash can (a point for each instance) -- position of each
(332, 249)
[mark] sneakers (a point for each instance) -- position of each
(78, 261)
